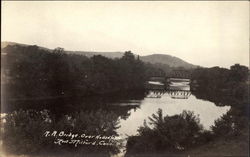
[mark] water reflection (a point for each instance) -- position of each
(175, 94)
(207, 111)
(172, 100)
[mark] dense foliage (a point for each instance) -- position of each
(31, 71)
(229, 81)
(24, 132)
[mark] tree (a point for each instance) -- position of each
(129, 56)
(239, 73)
(58, 50)
(168, 133)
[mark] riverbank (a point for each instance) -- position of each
(237, 146)
(220, 147)
(234, 146)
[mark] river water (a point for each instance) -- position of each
(207, 111)
(173, 101)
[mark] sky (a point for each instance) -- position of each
(212, 33)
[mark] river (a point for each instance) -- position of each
(133, 111)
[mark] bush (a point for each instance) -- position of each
(230, 124)
(171, 133)
(23, 131)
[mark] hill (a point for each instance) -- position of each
(167, 59)
(6, 43)
(160, 59)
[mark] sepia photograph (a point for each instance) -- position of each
(125, 79)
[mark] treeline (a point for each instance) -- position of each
(31, 71)
(229, 81)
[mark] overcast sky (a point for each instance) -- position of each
(202, 33)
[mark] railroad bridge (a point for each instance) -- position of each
(174, 75)
(172, 84)
(180, 73)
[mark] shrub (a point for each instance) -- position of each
(230, 124)
(23, 131)
(171, 133)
